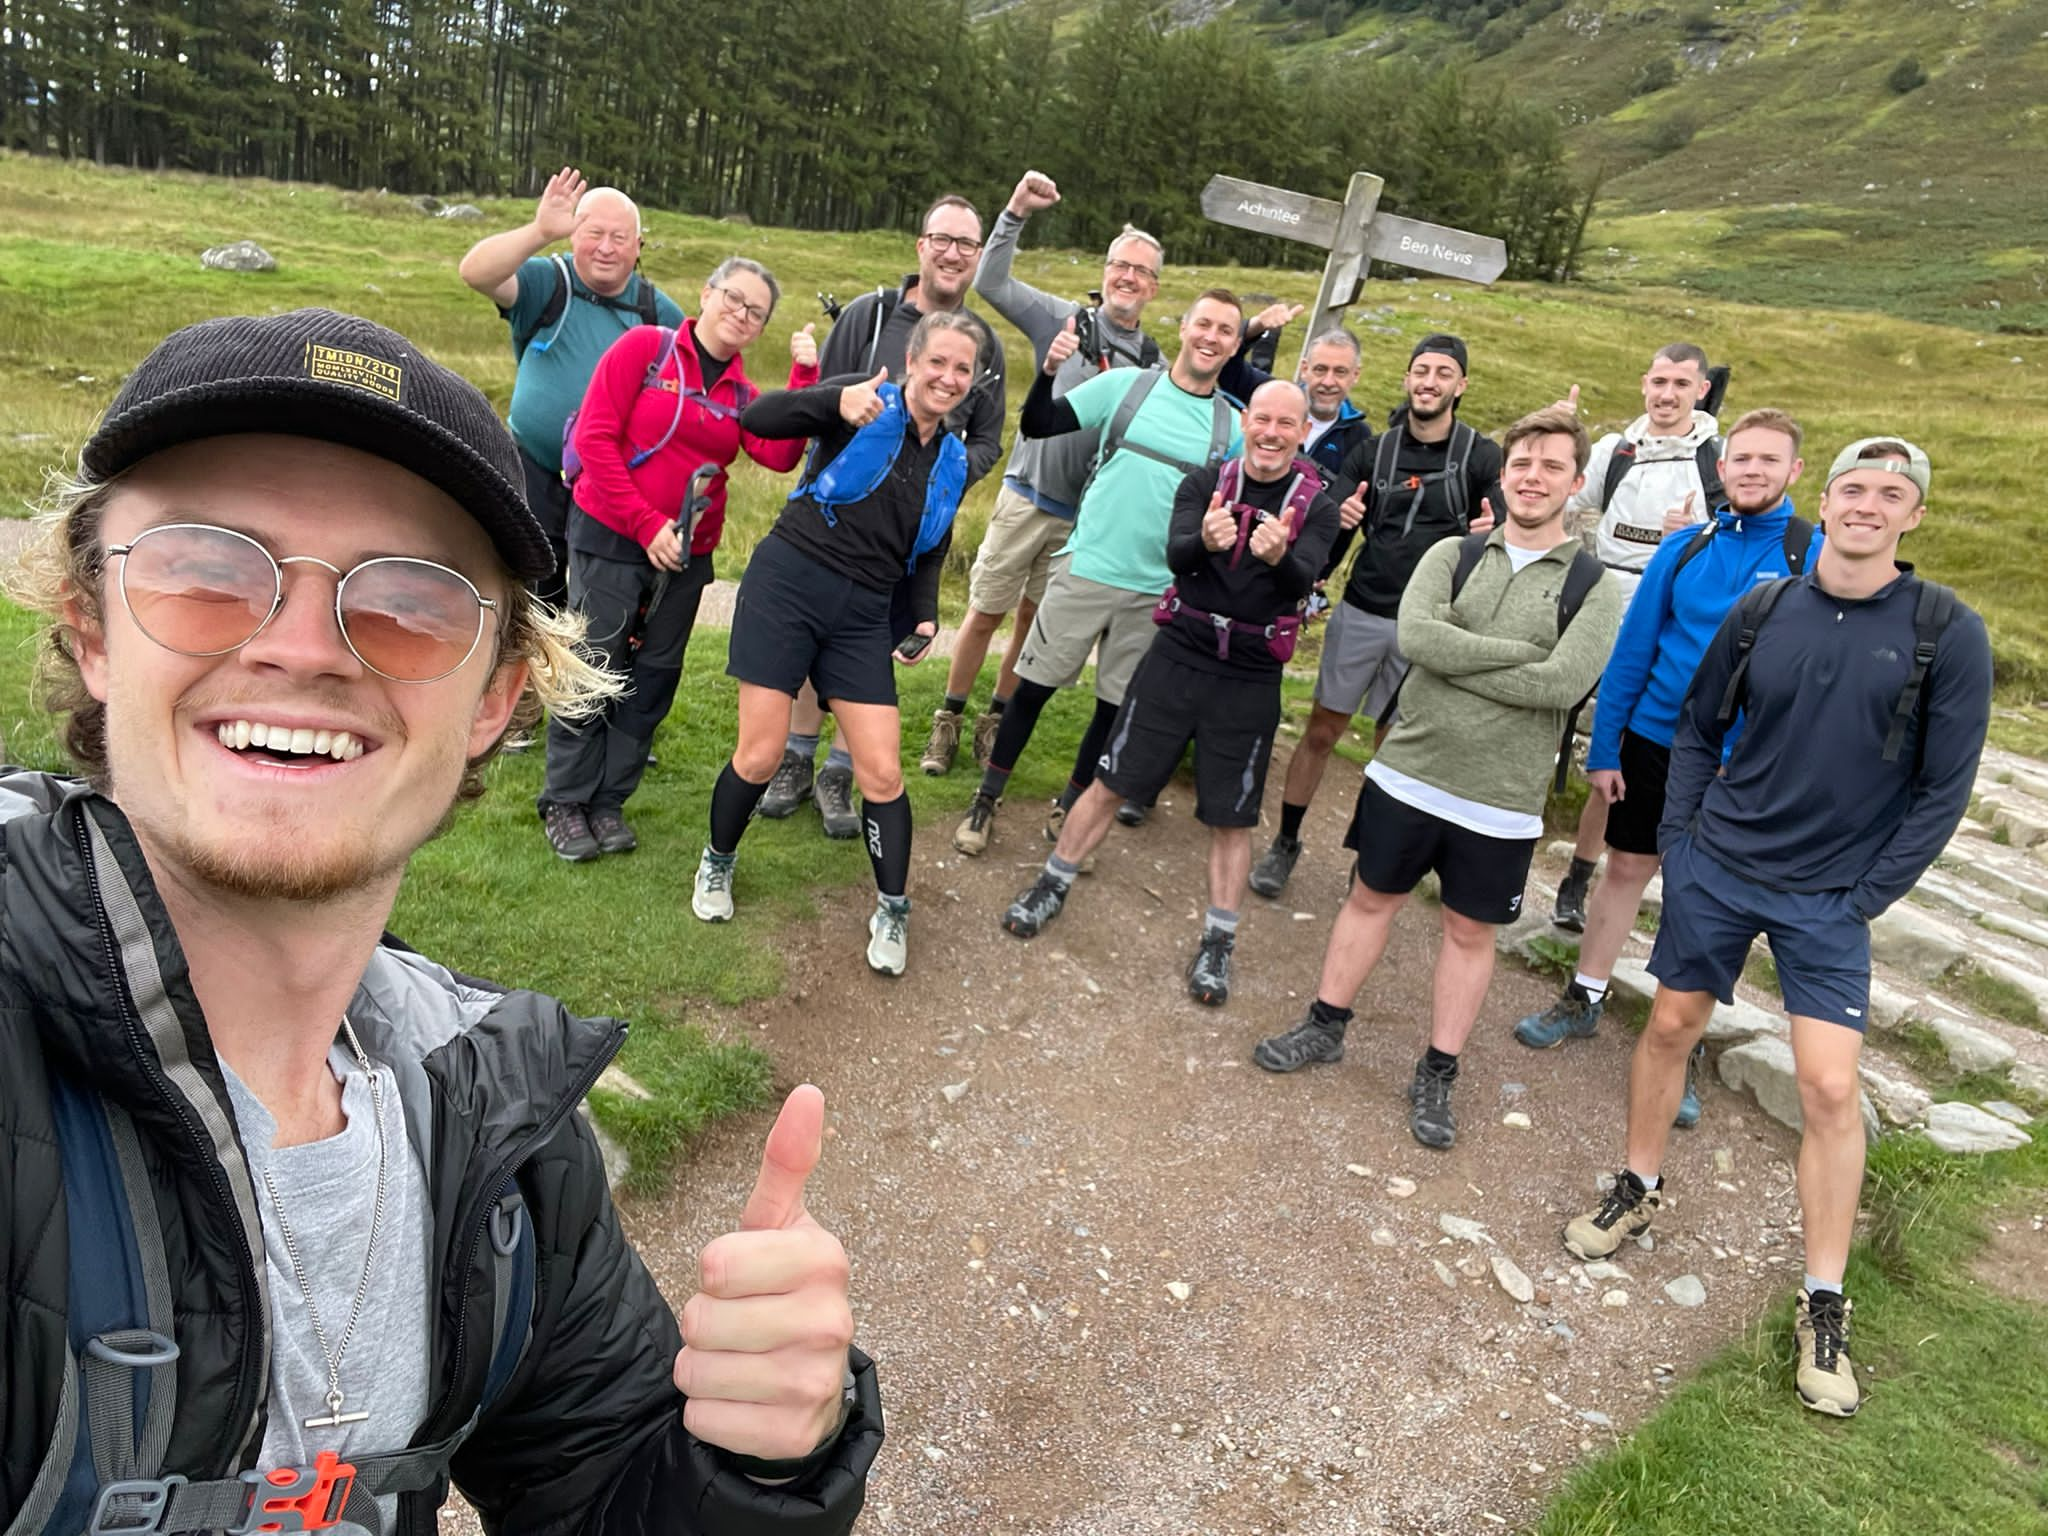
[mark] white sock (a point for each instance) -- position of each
(1815, 1283)
(1595, 987)
(1648, 1181)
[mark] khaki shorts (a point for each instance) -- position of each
(1016, 554)
(1078, 616)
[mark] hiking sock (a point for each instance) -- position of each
(1329, 1015)
(1593, 986)
(1581, 870)
(1221, 920)
(955, 703)
(996, 705)
(886, 826)
(1013, 736)
(1290, 820)
(732, 801)
(1089, 754)
(1648, 1181)
(839, 756)
(1440, 1063)
(1815, 1285)
(1061, 871)
(805, 747)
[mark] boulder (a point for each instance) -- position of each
(1971, 1049)
(1964, 1128)
(1910, 940)
(1889, 1007)
(1740, 1020)
(1764, 1067)
(2030, 1077)
(427, 204)
(1686, 1291)
(2008, 1111)
(459, 211)
(1898, 1101)
(238, 256)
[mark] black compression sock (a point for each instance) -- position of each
(997, 704)
(1013, 736)
(955, 702)
(1290, 820)
(1089, 754)
(1582, 869)
(1440, 1063)
(732, 801)
(1328, 1016)
(887, 828)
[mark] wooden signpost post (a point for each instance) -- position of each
(1355, 233)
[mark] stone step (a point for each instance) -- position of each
(2002, 871)
(2002, 769)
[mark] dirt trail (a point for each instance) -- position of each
(1337, 1363)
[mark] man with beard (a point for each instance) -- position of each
(1684, 594)
(1428, 477)
(1498, 659)
(1151, 428)
(871, 333)
(1034, 511)
(1245, 545)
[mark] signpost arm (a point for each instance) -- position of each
(1344, 272)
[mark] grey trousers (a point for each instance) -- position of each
(598, 762)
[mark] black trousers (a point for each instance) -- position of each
(548, 499)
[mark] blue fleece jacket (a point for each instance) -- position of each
(1673, 616)
(1807, 801)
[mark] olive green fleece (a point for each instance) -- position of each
(1489, 679)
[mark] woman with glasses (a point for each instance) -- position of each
(646, 457)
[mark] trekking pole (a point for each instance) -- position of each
(694, 500)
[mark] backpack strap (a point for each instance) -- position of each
(1458, 455)
(1707, 460)
(1932, 611)
(1619, 463)
(675, 335)
(886, 299)
(554, 313)
(1470, 548)
(1798, 542)
(1750, 613)
(1222, 418)
(1580, 580)
(1127, 408)
(1696, 545)
(646, 300)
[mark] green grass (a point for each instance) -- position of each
(1992, 995)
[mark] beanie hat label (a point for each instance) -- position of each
(334, 365)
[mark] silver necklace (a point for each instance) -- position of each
(335, 1396)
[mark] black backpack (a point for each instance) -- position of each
(1457, 454)
(1707, 457)
(1933, 610)
(1798, 540)
(1096, 348)
(645, 304)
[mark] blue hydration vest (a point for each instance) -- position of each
(859, 468)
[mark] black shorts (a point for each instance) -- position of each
(796, 618)
(1482, 877)
(1230, 720)
(1632, 820)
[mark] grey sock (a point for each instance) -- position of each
(1221, 921)
(1061, 870)
(839, 757)
(805, 747)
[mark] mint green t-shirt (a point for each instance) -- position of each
(1119, 536)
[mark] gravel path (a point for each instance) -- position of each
(1117, 1278)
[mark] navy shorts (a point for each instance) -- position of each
(1711, 915)
(1231, 721)
(796, 618)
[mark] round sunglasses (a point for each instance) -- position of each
(199, 590)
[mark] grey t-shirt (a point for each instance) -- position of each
(329, 1189)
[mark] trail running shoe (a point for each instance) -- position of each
(1038, 906)
(985, 727)
(1430, 1120)
(1308, 1042)
(943, 744)
(889, 935)
(613, 832)
(712, 898)
(1276, 866)
(1688, 1114)
(1209, 971)
(1822, 1372)
(569, 834)
(1570, 911)
(835, 802)
(1624, 1212)
(790, 787)
(1574, 1016)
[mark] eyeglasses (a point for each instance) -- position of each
(205, 591)
(756, 315)
(966, 245)
(1122, 268)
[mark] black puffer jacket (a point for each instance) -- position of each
(588, 1435)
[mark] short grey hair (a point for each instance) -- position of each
(1337, 336)
(732, 264)
(583, 204)
(1132, 232)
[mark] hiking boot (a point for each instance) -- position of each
(985, 728)
(1209, 971)
(1306, 1043)
(971, 836)
(1430, 1120)
(943, 745)
(1035, 908)
(790, 787)
(712, 898)
(889, 935)
(1570, 911)
(1688, 1114)
(1625, 1211)
(1821, 1370)
(1276, 866)
(1132, 814)
(835, 802)
(568, 830)
(613, 832)
(1573, 1016)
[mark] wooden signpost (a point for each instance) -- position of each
(1355, 234)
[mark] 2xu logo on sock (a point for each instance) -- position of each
(874, 837)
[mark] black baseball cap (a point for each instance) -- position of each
(1447, 345)
(341, 379)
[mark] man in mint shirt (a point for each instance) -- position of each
(1154, 427)
(564, 311)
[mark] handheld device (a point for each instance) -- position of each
(912, 646)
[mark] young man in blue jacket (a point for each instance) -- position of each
(1684, 593)
(1806, 847)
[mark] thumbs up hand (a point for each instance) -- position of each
(1219, 527)
(1571, 401)
(1679, 517)
(803, 346)
(1062, 347)
(859, 404)
(1484, 522)
(766, 1335)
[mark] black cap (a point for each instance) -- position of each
(341, 379)
(1445, 343)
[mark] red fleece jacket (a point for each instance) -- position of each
(629, 407)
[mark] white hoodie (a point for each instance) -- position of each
(1666, 471)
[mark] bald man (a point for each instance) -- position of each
(1245, 544)
(564, 310)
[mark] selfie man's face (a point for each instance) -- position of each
(300, 826)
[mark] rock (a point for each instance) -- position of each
(616, 1163)
(1179, 1290)
(240, 256)
(459, 211)
(1898, 1102)
(1512, 1280)
(1912, 941)
(1889, 1007)
(1614, 1299)
(1515, 1118)
(1685, 1291)
(1724, 1162)
(1463, 1228)
(2030, 1077)
(933, 1453)
(427, 204)
(2006, 1110)
(1633, 978)
(1741, 1020)
(1764, 1068)
(1966, 1128)
(1445, 1273)
(1600, 1269)
(614, 1080)
(2022, 831)
(1971, 1049)
(1383, 1237)
(954, 1092)
(1400, 1188)
(1597, 1419)
(1358, 1169)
